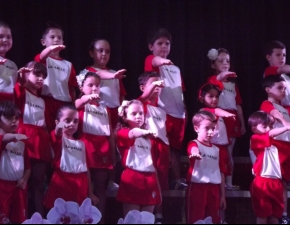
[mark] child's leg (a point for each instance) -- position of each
(272, 220)
(128, 207)
(175, 162)
(38, 169)
(261, 220)
(147, 208)
(229, 179)
(285, 198)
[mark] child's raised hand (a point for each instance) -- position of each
(150, 133)
(120, 74)
(227, 114)
(24, 70)
(166, 62)
(57, 48)
(61, 125)
(3, 61)
(93, 96)
(20, 137)
(224, 75)
(158, 83)
(195, 153)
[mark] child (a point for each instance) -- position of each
(97, 134)
(275, 88)
(267, 187)
(15, 167)
(33, 125)
(71, 178)
(151, 86)
(206, 192)
(8, 69)
(59, 87)
(229, 100)
(171, 98)
(139, 189)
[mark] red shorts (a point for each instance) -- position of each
(98, 151)
(175, 131)
(161, 159)
(6, 97)
(51, 107)
(267, 197)
(68, 186)
(225, 166)
(139, 188)
(114, 117)
(13, 201)
(38, 143)
(202, 200)
(233, 125)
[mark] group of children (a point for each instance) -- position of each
(44, 125)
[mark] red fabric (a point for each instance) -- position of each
(202, 200)
(213, 80)
(233, 125)
(57, 148)
(224, 161)
(267, 107)
(239, 100)
(271, 70)
(139, 188)
(68, 186)
(6, 97)
(13, 201)
(267, 197)
(114, 115)
(175, 131)
(124, 143)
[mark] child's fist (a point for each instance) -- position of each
(195, 156)
(223, 76)
(20, 137)
(166, 62)
(159, 83)
(227, 114)
(24, 70)
(61, 125)
(120, 74)
(94, 96)
(151, 133)
(57, 48)
(3, 61)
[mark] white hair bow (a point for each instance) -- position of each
(213, 54)
(81, 77)
(121, 109)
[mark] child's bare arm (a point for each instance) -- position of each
(95, 199)
(195, 153)
(85, 99)
(23, 181)
(22, 75)
(159, 61)
(278, 116)
(137, 132)
(222, 113)
(3, 61)
(241, 118)
(7, 138)
(47, 51)
(107, 75)
(223, 204)
(224, 75)
(150, 89)
(283, 69)
(277, 131)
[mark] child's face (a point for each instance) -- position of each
(222, 63)
(71, 119)
(5, 40)
(205, 131)
(161, 47)
(91, 86)
(9, 125)
(277, 91)
(36, 80)
(157, 91)
(135, 116)
(210, 99)
(101, 53)
(54, 37)
(277, 58)
(261, 129)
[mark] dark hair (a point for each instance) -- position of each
(212, 71)
(270, 46)
(162, 32)
(91, 74)
(3, 24)
(92, 45)
(49, 26)
(206, 88)
(270, 81)
(59, 113)
(143, 78)
(203, 115)
(260, 117)
(9, 109)
(38, 68)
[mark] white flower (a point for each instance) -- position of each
(89, 214)
(81, 77)
(207, 220)
(213, 54)
(121, 109)
(136, 217)
(64, 212)
(36, 219)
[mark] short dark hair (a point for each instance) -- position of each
(38, 68)
(9, 109)
(49, 26)
(143, 78)
(271, 45)
(270, 81)
(206, 88)
(3, 24)
(260, 117)
(92, 45)
(203, 115)
(162, 32)
(59, 113)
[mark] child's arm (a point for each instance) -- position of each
(23, 181)
(241, 118)
(278, 116)
(195, 153)
(137, 133)
(47, 51)
(112, 143)
(223, 204)
(7, 138)
(3, 61)
(159, 61)
(222, 113)
(224, 75)
(22, 75)
(85, 99)
(107, 75)
(283, 69)
(59, 129)
(95, 199)
(149, 91)
(277, 131)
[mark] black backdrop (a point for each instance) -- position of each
(241, 26)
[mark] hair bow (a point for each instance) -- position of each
(121, 109)
(213, 54)
(81, 77)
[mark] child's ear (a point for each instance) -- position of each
(91, 53)
(142, 88)
(268, 57)
(212, 65)
(267, 89)
(200, 98)
(150, 46)
(196, 128)
(42, 42)
(56, 122)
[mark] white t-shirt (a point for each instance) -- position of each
(285, 136)
(8, 76)
(220, 136)
(286, 100)
(227, 99)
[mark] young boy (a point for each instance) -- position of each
(275, 88)
(267, 187)
(206, 192)
(171, 97)
(151, 85)
(14, 165)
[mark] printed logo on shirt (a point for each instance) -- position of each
(284, 113)
(15, 152)
(210, 156)
(157, 118)
(95, 112)
(57, 68)
(73, 148)
(170, 71)
(143, 147)
(35, 106)
(9, 67)
(229, 90)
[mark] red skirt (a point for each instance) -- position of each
(38, 143)
(139, 188)
(6, 97)
(225, 166)
(233, 125)
(98, 151)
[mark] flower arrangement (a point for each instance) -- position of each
(213, 54)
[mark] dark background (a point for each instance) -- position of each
(241, 26)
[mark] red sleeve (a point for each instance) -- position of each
(182, 84)
(272, 70)
(260, 141)
(238, 96)
(267, 107)
(209, 110)
(19, 96)
(72, 78)
(37, 59)
(148, 67)
(91, 69)
(27, 164)
(213, 80)
(1, 144)
(123, 139)
(190, 146)
(122, 88)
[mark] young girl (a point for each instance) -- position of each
(33, 125)
(8, 69)
(96, 134)
(139, 188)
(59, 87)
(229, 100)
(14, 166)
(71, 178)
